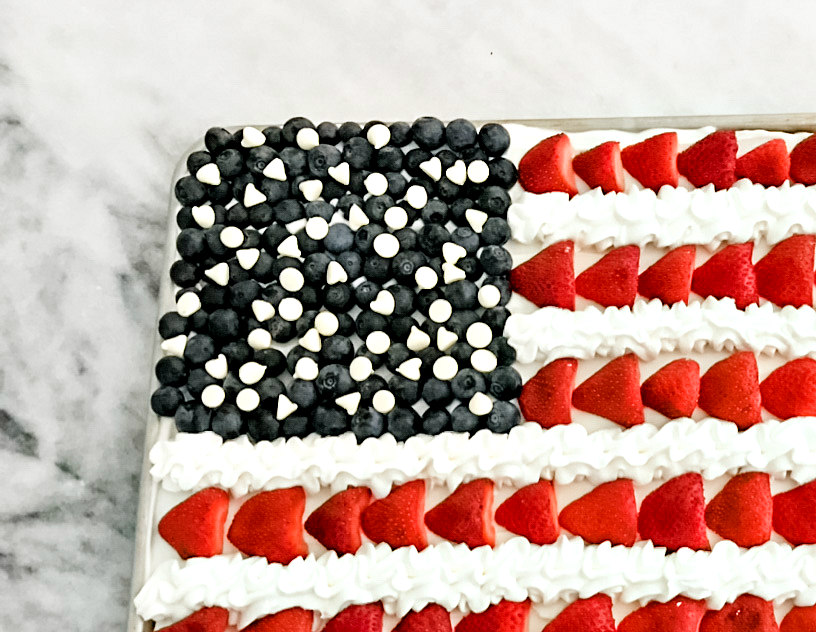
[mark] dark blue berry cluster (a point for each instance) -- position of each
(337, 278)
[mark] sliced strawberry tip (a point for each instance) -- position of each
(728, 274)
(803, 161)
(613, 280)
(432, 618)
(793, 513)
(531, 512)
(466, 515)
(546, 398)
(729, 390)
(790, 390)
(673, 514)
(801, 619)
(607, 513)
(505, 616)
(205, 620)
(785, 275)
(336, 523)
(195, 527)
(613, 392)
(547, 167)
(768, 164)
(548, 279)
(711, 160)
(362, 618)
(745, 614)
(741, 511)
(680, 614)
(669, 278)
(653, 162)
(601, 167)
(291, 620)
(397, 519)
(587, 615)
(673, 389)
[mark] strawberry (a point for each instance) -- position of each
(729, 390)
(673, 390)
(587, 615)
(746, 614)
(793, 513)
(204, 620)
(799, 620)
(608, 512)
(669, 278)
(768, 164)
(673, 514)
(546, 398)
(790, 390)
(195, 527)
(712, 160)
(531, 512)
(291, 620)
(653, 162)
(548, 167)
(365, 618)
(397, 518)
(601, 167)
(466, 515)
(785, 275)
(270, 525)
(803, 161)
(336, 523)
(548, 279)
(680, 614)
(613, 392)
(613, 280)
(741, 512)
(728, 273)
(432, 618)
(505, 616)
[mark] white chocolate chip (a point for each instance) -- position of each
(307, 138)
(479, 335)
(378, 135)
(445, 339)
(452, 252)
(291, 279)
(396, 218)
(251, 372)
(296, 225)
(252, 137)
(445, 368)
(478, 171)
(247, 399)
(489, 296)
(204, 215)
(326, 323)
(452, 273)
(259, 339)
(361, 368)
(217, 367)
(341, 173)
(426, 278)
(411, 369)
(231, 236)
(335, 273)
(416, 196)
(386, 245)
(252, 196)
(311, 340)
(440, 311)
(480, 404)
(483, 360)
(311, 189)
(378, 342)
(306, 369)
(263, 310)
(383, 401)
(317, 228)
(248, 257)
(213, 396)
(275, 170)
(384, 303)
(174, 346)
(289, 247)
(349, 402)
(376, 183)
(417, 339)
(188, 304)
(219, 273)
(209, 174)
(432, 168)
(476, 219)
(357, 218)
(285, 407)
(290, 309)
(457, 172)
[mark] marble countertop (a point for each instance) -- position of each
(97, 103)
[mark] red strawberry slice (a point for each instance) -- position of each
(673, 514)
(204, 620)
(585, 615)
(653, 162)
(799, 620)
(673, 390)
(613, 392)
(785, 275)
(466, 515)
(608, 512)
(546, 398)
(712, 160)
(601, 167)
(364, 618)
(746, 614)
(291, 620)
(397, 519)
(195, 527)
(728, 273)
(793, 513)
(270, 525)
(768, 164)
(548, 167)
(803, 161)
(790, 390)
(741, 512)
(531, 512)
(432, 618)
(681, 614)
(613, 280)
(336, 523)
(548, 279)
(729, 390)
(669, 278)
(505, 616)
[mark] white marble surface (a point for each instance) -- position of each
(99, 99)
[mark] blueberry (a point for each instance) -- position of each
(467, 383)
(366, 292)
(462, 420)
(461, 352)
(371, 385)
(281, 330)
(405, 391)
(232, 385)
(352, 263)
(259, 158)
(388, 158)
(239, 184)
(274, 190)
(260, 215)
(303, 393)
(236, 274)
(428, 132)
(336, 349)
(198, 380)
(293, 126)
(322, 157)
(413, 159)
(358, 152)
(503, 417)
(340, 238)
(199, 349)
(494, 139)
(503, 284)
(217, 139)
(397, 184)
(503, 173)
(327, 132)
(333, 381)
(305, 322)
(319, 208)
(400, 133)
(424, 298)
(406, 263)
(230, 163)
(274, 137)
(242, 293)
(495, 260)
(505, 354)
(314, 268)
(458, 208)
(338, 297)
(295, 426)
(365, 235)
(347, 201)
(447, 158)
(505, 383)
(269, 389)
(368, 322)
(407, 238)
(172, 324)
(288, 211)
(306, 244)
(460, 133)
(198, 321)
(348, 131)
(377, 205)
(435, 420)
(171, 371)
(192, 417)
(237, 352)
(263, 426)
(191, 244)
(272, 359)
(431, 238)
(494, 201)
(185, 219)
(227, 422)
(462, 294)
(274, 293)
(459, 322)
(397, 354)
(295, 161)
(496, 231)
(272, 238)
(366, 423)
(224, 323)
(213, 296)
(165, 400)
(435, 212)
(436, 393)
(400, 327)
(329, 421)
(495, 318)
(345, 324)
(429, 356)
(402, 423)
(297, 353)
(377, 268)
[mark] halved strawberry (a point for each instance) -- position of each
(741, 512)
(613, 392)
(195, 527)
(790, 390)
(204, 620)
(397, 519)
(729, 390)
(466, 515)
(768, 164)
(673, 389)
(432, 618)
(793, 513)
(364, 618)
(585, 615)
(531, 512)
(548, 167)
(673, 514)
(548, 279)
(680, 614)
(505, 616)
(728, 273)
(711, 160)
(336, 523)
(799, 620)
(291, 620)
(608, 512)
(270, 525)
(785, 275)
(653, 162)
(613, 280)
(601, 167)
(745, 614)
(669, 278)
(803, 161)
(546, 398)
